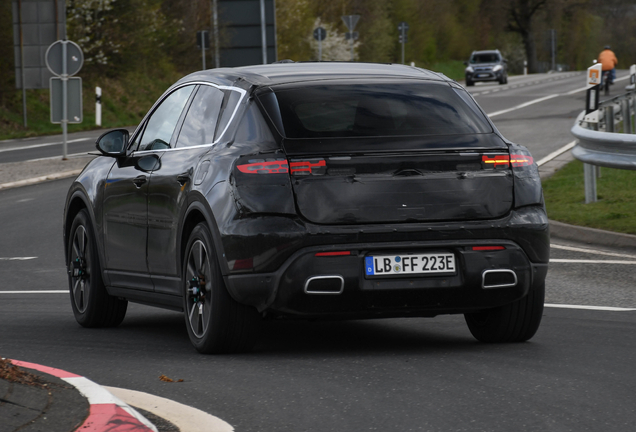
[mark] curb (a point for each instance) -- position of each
(36, 180)
(107, 413)
(592, 235)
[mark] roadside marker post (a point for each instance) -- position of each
(98, 106)
(403, 28)
(593, 83)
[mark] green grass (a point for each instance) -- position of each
(124, 103)
(616, 207)
(453, 69)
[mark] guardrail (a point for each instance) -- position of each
(608, 142)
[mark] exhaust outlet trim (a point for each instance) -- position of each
(339, 278)
(500, 285)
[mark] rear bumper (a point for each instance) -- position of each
(290, 290)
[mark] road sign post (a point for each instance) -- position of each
(64, 59)
(320, 34)
(203, 42)
(351, 21)
(403, 28)
(98, 106)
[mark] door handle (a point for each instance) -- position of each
(140, 180)
(183, 178)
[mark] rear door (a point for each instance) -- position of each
(387, 152)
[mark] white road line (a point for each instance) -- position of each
(556, 153)
(186, 418)
(585, 88)
(73, 155)
(36, 292)
(598, 308)
(523, 105)
(16, 258)
(43, 145)
(580, 261)
(590, 251)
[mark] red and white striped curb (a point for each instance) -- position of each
(107, 413)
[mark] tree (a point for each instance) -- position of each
(522, 14)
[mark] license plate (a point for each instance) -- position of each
(482, 75)
(391, 265)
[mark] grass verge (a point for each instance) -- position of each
(124, 102)
(616, 207)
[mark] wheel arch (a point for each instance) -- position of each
(197, 212)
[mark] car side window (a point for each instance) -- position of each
(161, 124)
(201, 120)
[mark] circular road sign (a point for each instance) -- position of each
(56, 62)
(320, 33)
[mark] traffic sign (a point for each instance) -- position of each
(594, 75)
(320, 34)
(73, 99)
(203, 37)
(350, 21)
(64, 57)
(403, 26)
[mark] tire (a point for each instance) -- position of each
(515, 322)
(91, 303)
(469, 83)
(216, 323)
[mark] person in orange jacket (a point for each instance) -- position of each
(609, 61)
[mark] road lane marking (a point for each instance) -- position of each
(590, 251)
(36, 292)
(523, 105)
(43, 145)
(582, 261)
(598, 308)
(16, 258)
(556, 153)
(585, 88)
(186, 418)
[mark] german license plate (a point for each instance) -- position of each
(412, 264)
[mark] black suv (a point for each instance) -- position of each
(310, 191)
(486, 66)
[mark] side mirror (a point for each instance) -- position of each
(113, 143)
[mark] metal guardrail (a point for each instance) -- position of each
(610, 142)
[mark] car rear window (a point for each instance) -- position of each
(328, 110)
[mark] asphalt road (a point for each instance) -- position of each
(576, 374)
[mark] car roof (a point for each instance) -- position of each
(289, 72)
(486, 52)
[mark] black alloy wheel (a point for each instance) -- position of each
(514, 322)
(91, 303)
(216, 323)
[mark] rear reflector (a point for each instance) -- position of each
(488, 248)
(339, 253)
(270, 167)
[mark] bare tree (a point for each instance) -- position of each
(521, 16)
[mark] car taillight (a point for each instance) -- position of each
(527, 182)
(268, 192)
(278, 166)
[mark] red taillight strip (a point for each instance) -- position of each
(518, 160)
(496, 160)
(488, 248)
(272, 167)
(305, 166)
(338, 253)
